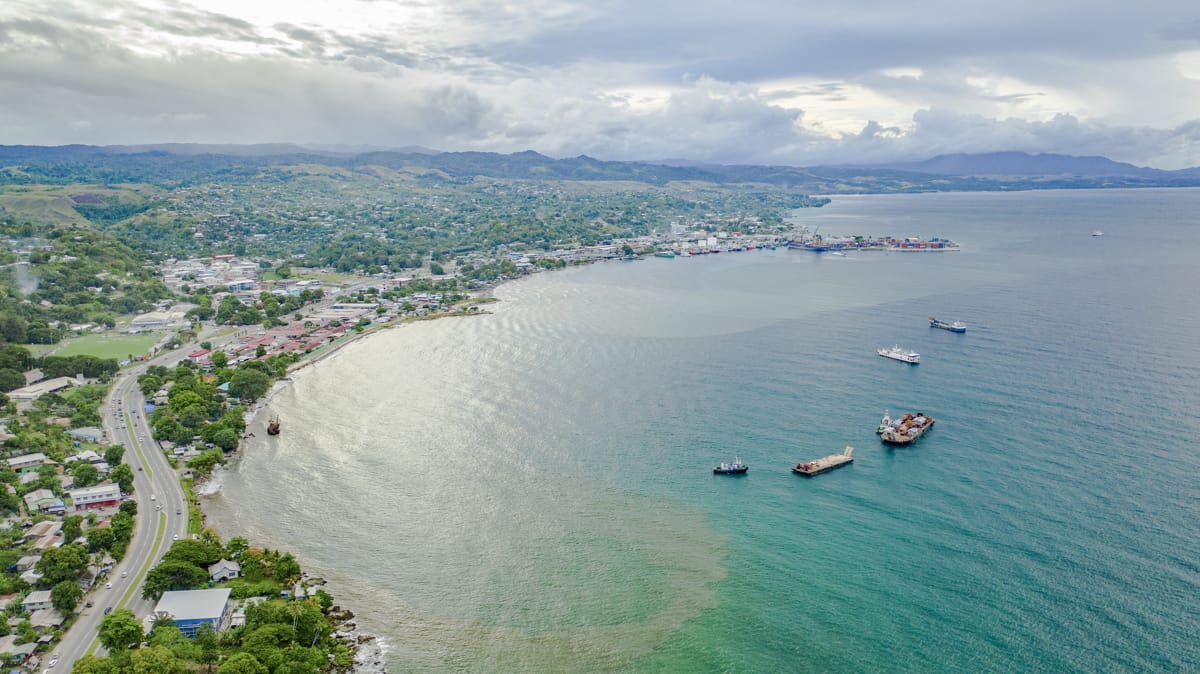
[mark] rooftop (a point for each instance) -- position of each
(194, 604)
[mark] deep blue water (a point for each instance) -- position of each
(531, 490)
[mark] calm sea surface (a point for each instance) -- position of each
(532, 490)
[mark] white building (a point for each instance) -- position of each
(37, 600)
(100, 496)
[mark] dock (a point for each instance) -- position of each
(818, 466)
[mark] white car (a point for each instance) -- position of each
(175, 537)
(108, 586)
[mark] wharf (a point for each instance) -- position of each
(818, 466)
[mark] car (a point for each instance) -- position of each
(52, 663)
(175, 537)
(139, 467)
(108, 610)
(153, 497)
(158, 507)
(108, 586)
(124, 573)
(179, 511)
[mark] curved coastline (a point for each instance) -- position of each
(370, 650)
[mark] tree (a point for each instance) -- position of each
(219, 359)
(436, 269)
(173, 576)
(11, 379)
(227, 439)
(113, 454)
(65, 596)
(65, 563)
(72, 527)
(123, 476)
(100, 539)
(85, 474)
(196, 553)
(206, 639)
(156, 660)
(249, 384)
(236, 546)
(94, 664)
(242, 663)
(119, 630)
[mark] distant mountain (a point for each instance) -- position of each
(168, 165)
(1022, 164)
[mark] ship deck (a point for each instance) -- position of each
(825, 463)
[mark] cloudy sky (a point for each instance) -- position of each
(752, 81)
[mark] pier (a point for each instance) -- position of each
(818, 466)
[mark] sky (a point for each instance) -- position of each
(748, 82)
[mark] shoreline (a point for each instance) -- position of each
(369, 649)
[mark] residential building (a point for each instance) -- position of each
(28, 463)
(87, 434)
(224, 570)
(38, 600)
(192, 608)
(40, 500)
(99, 496)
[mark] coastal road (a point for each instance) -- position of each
(162, 506)
(162, 514)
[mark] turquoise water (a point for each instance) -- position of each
(531, 490)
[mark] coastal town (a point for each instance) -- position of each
(228, 327)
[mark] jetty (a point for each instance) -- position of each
(818, 466)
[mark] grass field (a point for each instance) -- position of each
(109, 346)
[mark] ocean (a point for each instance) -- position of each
(531, 490)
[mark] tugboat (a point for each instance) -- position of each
(735, 468)
(884, 423)
(956, 326)
(273, 425)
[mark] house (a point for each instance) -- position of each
(100, 496)
(47, 528)
(40, 500)
(37, 600)
(47, 617)
(27, 562)
(224, 570)
(199, 356)
(27, 463)
(192, 608)
(87, 434)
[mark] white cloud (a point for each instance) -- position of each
(764, 81)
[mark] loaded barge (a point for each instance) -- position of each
(906, 429)
(818, 466)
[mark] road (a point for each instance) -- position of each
(162, 514)
(162, 506)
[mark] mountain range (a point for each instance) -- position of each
(173, 164)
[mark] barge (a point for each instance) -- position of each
(906, 429)
(825, 463)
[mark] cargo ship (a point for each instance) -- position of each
(906, 429)
(902, 355)
(825, 463)
(956, 326)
